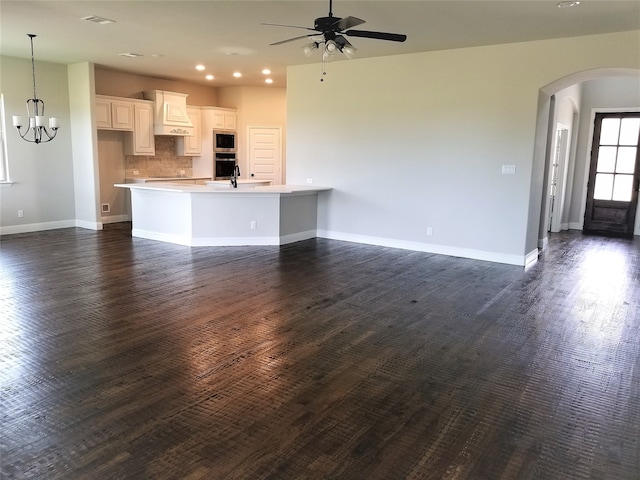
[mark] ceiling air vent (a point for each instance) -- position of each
(130, 55)
(97, 19)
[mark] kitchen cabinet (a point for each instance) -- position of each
(191, 146)
(113, 114)
(141, 140)
(225, 118)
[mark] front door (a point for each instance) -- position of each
(614, 176)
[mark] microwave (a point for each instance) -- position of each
(224, 141)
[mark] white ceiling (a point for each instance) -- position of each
(174, 36)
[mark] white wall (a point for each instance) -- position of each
(84, 146)
(598, 94)
(417, 141)
(43, 173)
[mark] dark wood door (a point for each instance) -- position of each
(614, 175)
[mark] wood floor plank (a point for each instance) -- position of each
(128, 358)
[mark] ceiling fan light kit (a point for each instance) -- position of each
(333, 31)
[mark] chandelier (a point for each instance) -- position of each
(35, 113)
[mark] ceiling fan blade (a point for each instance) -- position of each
(289, 26)
(394, 37)
(348, 22)
(342, 42)
(294, 38)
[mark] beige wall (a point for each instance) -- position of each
(122, 84)
(257, 107)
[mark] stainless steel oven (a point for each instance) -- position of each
(224, 141)
(225, 163)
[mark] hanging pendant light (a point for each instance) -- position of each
(35, 113)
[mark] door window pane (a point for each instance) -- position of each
(603, 187)
(629, 131)
(606, 159)
(622, 188)
(609, 131)
(626, 160)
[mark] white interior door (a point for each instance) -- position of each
(265, 154)
(558, 180)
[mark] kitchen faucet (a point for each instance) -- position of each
(234, 177)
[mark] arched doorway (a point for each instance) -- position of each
(538, 220)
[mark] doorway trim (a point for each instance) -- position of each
(592, 120)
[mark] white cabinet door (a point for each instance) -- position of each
(141, 141)
(103, 114)
(230, 120)
(191, 146)
(113, 114)
(121, 116)
(224, 120)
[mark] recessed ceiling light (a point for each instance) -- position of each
(268, 80)
(97, 19)
(266, 71)
(568, 4)
(200, 67)
(209, 77)
(237, 74)
(130, 55)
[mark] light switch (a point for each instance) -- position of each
(508, 169)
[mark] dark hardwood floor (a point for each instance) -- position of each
(127, 358)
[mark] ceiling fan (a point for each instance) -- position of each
(333, 31)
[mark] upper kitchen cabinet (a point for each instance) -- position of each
(225, 118)
(113, 113)
(141, 141)
(191, 146)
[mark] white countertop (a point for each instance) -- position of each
(162, 179)
(224, 190)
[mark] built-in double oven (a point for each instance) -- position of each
(224, 151)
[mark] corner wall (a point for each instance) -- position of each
(43, 173)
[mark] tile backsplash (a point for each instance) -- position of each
(165, 163)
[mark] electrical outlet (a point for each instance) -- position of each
(508, 169)
(136, 172)
(253, 225)
(429, 231)
(20, 213)
(309, 180)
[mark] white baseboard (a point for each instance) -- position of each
(530, 259)
(115, 219)
(161, 237)
(36, 227)
(223, 241)
(234, 241)
(575, 225)
(519, 260)
(543, 243)
(88, 225)
(298, 237)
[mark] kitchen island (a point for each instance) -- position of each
(212, 215)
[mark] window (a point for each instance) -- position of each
(4, 163)
(616, 164)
